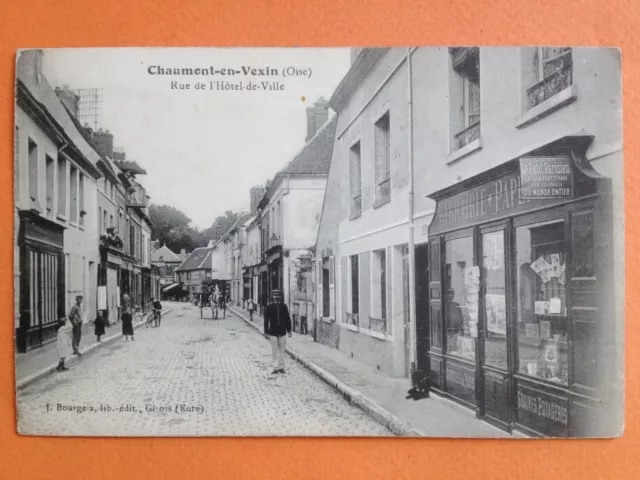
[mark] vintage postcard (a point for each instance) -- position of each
(419, 241)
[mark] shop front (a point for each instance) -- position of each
(42, 284)
(520, 293)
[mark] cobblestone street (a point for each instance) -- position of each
(189, 377)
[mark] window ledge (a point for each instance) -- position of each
(73, 224)
(353, 328)
(328, 319)
(559, 100)
(61, 216)
(354, 216)
(381, 202)
(379, 335)
(464, 151)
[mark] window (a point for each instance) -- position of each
(132, 240)
(105, 225)
(462, 279)
(378, 319)
(355, 180)
(33, 170)
(326, 288)
(542, 302)
(81, 194)
(494, 283)
(73, 190)
(62, 186)
(100, 229)
(50, 185)
(383, 159)
(111, 224)
(551, 72)
(355, 286)
(465, 96)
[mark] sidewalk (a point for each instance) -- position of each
(381, 396)
(42, 361)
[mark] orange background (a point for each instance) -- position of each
(65, 23)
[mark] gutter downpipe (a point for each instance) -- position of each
(412, 270)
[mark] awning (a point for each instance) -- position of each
(170, 287)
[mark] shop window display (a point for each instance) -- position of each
(462, 284)
(494, 299)
(542, 307)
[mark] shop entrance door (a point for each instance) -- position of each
(494, 382)
(405, 311)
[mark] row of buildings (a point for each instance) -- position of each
(80, 216)
(457, 216)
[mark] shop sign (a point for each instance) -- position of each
(503, 197)
(546, 177)
(547, 414)
(461, 381)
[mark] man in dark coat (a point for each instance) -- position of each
(277, 324)
(75, 316)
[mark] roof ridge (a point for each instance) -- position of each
(309, 143)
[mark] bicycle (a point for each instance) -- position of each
(151, 317)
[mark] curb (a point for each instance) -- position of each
(29, 379)
(383, 416)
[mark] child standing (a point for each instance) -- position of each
(65, 348)
(251, 308)
(99, 325)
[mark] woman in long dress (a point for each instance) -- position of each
(127, 325)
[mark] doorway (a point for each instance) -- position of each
(422, 306)
(494, 382)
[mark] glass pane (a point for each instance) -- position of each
(495, 298)
(542, 306)
(462, 282)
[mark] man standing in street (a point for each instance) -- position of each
(75, 317)
(277, 324)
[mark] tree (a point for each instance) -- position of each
(171, 228)
(221, 225)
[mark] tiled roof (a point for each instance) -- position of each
(43, 93)
(166, 254)
(199, 259)
(130, 166)
(315, 156)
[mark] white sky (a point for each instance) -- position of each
(202, 150)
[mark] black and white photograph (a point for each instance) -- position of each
(330, 242)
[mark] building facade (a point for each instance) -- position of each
(372, 157)
(166, 262)
(519, 187)
(289, 216)
(56, 237)
(476, 237)
(196, 268)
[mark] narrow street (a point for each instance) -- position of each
(189, 377)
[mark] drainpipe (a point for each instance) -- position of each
(412, 269)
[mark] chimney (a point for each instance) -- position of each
(29, 65)
(118, 154)
(316, 117)
(256, 194)
(69, 99)
(183, 254)
(103, 141)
